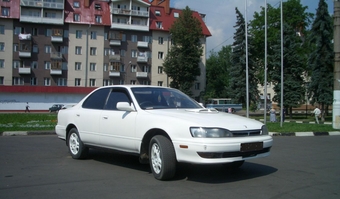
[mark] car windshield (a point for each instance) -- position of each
(163, 98)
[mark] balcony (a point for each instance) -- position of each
(114, 74)
(142, 74)
(57, 35)
(56, 72)
(25, 71)
(25, 54)
(25, 37)
(118, 11)
(114, 58)
(115, 42)
(44, 20)
(142, 59)
(56, 55)
(142, 44)
(56, 4)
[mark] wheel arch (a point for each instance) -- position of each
(144, 148)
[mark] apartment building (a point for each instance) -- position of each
(87, 43)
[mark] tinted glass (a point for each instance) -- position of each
(97, 99)
(115, 97)
(163, 98)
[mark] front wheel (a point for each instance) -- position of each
(76, 147)
(162, 158)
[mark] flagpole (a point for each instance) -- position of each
(281, 64)
(247, 75)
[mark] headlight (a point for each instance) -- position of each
(264, 130)
(201, 132)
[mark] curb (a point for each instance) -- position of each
(20, 133)
(301, 134)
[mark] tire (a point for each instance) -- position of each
(162, 158)
(76, 146)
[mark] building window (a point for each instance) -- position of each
(2, 29)
(92, 82)
(47, 49)
(47, 65)
(62, 82)
(197, 86)
(76, 4)
(158, 13)
(77, 66)
(93, 51)
(76, 17)
(33, 81)
(159, 25)
(4, 11)
(133, 82)
(35, 48)
(93, 66)
(145, 82)
(176, 14)
(106, 67)
(15, 47)
(160, 55)
(78, 50)
(160, 83)
(122, 53)
(160, 40)
(34, 31)
(34, 65)
(1, 80)
(121, 82)
(47, 81)
(18, 81)
(16, 64)
(160, 69)
(133, 68)
(93, 35)
(77, 81)
(48, 32)
(79, 34)
(98, 18)
(2, 63)
(146, 69)
(17, 30)
(2, 46)
(123, 37)
(64, 49)
(133, 38)
(107, 82)
(133, 53)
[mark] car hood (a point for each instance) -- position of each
(208, 118)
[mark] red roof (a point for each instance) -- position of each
(168, 19)
(46, 89)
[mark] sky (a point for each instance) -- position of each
(221, 16)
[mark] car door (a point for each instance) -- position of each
(117, 128)
(87, 117)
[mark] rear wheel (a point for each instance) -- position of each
(76, 146)
(162, 158)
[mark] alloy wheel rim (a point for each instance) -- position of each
(156, 160)
(74, 143)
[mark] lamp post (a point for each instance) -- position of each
(87, 54)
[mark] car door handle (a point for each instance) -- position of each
(77, 115)
(105, 117)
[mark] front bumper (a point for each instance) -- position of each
(220, 150)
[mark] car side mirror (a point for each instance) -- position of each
(125, 106)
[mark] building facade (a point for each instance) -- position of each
(88, 43)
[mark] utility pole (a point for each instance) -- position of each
(336, 91)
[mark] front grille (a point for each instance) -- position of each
(246, 133)
(233, 154)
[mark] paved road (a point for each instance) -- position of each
(40, 167)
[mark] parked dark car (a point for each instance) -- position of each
(56, 107)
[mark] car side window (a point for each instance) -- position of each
(115, 97)
(97, 99)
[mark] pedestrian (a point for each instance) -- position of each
(27, 108)
(317, 113)
(272, 113)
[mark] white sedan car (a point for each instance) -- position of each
(162, 126)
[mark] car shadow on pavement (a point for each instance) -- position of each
(199, 173)
(221, 173)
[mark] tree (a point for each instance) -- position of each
(218, 68)
(294, 15)
(238, 68)
(182, 62)
(293, 70)
(321, 60)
